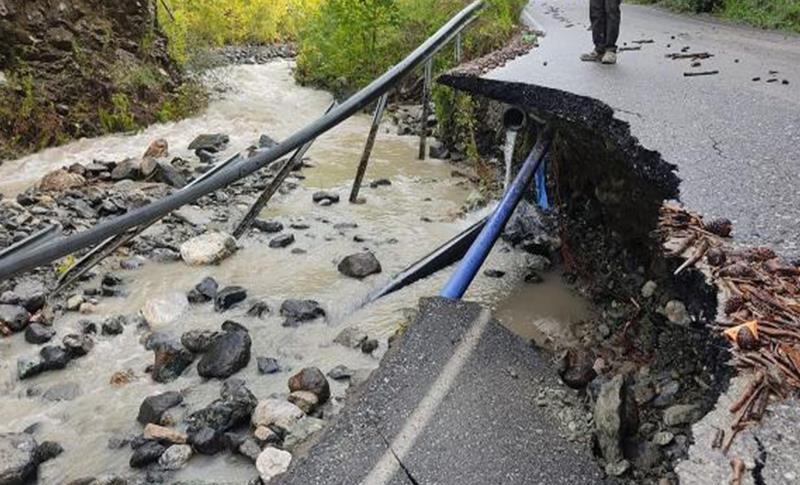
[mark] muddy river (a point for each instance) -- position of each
(400, 223)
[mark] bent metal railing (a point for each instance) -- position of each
(39, 255)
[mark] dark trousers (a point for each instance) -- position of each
(605, 16)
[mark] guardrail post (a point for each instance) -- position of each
(459, 48)
(373, 133)
(426, 101)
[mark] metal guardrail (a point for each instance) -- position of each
(51, 251)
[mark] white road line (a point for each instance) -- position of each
(388, 465)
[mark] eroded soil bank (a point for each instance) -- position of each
(648, 362)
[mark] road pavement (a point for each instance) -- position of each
(736, 141)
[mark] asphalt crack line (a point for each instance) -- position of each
(415, 425)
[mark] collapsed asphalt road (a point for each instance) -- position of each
(736, 141)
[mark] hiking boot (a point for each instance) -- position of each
(610, 57)
(593, 56)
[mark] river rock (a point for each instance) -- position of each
(229, 353)
(31, 294)
(74, 303)
(198, 341)
(36, 333)
(313, 380)
(272, 462)
(167, 174)
(47, 451)
(147, 453)
(299, 311)
(193, 215)
(325, 198)
(250, 448)
(340, 373)
(54, 358)
(258, 309)
(278, 412)
(301, 431)
(113, 326)
(282, 241)
(65, 391)
(170, 360)
(29, 366)
(234, 408)
(268, 365)
(77, 345)
(207, 441)
(270, 227)
(576, 369)
(14, 317)
(87, 327)
(305, 400)
(212, 143)
(175, 457)
(18, 460)
(60, 180)
(614, 417)
(360, 265)
(165, 309)
(204, 291)
(129, 169)
(351, 337)
(228, 297)
(153, 407)
(681, 414)
(208, 248)
(163, 434)
(369, 346)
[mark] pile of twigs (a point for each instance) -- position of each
(761, 316)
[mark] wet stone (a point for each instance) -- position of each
(268, 365)
(153, 407)
(340, 373)
(65, 391)
(47, 451)
(170, 360)
(258, 309)
(175, 457)
(113, 326)
(206, 290)
(14, 317)
(311, 379)
(36, 333)
(54, 358)
(250, 448)
(212, 143)
(228, 297)
(229, 353)
(31, 294)
(207, 441)
(305, 400)
(351, 337)
(269, 227)
(198, 341)
(29, 366)
(360, 265)
(300, 311)
(18, 460)
(282, 241)
(369, 346)
(494, 273)
(77, 345)
(146, 454)
(325, 198)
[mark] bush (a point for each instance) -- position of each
(347, 43)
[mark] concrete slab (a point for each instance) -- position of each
(451, 403)
(736, 141)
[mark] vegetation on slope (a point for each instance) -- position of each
(768, 14)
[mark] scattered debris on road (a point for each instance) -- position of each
(700, 73)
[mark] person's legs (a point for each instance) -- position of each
(613, 17)
(597, 16)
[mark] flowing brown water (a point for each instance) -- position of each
(266, 100)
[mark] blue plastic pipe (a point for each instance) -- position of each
(472, 262)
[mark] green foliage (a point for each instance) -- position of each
(119, 117)
(347, 43)
(198, 24)
(455, 111)
(188, 99)
(768, 14)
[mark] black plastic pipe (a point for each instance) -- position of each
(59, 248)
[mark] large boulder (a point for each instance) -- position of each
(360, 265)
(153, 407)
(18, 459)
(61, 180)
(211, 143)
(228, 297)
(228, 354)
(299, 311)
(165, 309)
(208, 248)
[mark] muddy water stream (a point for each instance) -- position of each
(399, 223)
